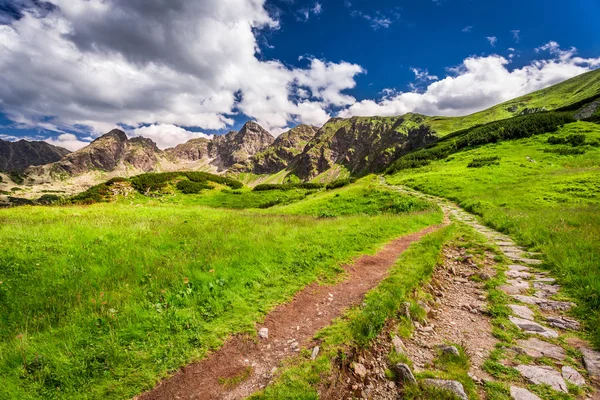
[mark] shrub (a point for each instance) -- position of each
(17, 177)
(565, 151)
(573, 140)
(48, 199)
(338, 183)
(479, 162)
(152, 182)
(190, 187)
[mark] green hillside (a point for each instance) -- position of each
(543, 190)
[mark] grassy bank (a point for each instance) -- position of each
(100, 301)
(543, 192)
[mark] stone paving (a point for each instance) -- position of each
(532, 291)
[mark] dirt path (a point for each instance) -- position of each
(290, 327)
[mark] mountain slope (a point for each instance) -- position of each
(17, 156)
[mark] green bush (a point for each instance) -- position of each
(573, 140)
(288, 186)
(565, 151)
(48, 199)
(338, 183)
(479, 162)
(152, 182)
(17, 177)
(190, 187)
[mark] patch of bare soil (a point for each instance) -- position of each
(458, 313)
(290, 327)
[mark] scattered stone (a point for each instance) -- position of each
(403, 373)
(571, 375)
(544, 304)
(359, 370)
(518, 393)
(537, 348)
(522, 311)
(539, 375)
(563, 323)
(518, 274)
(545, 290)
(451, 386)
(263, 333)
(591, 361)
(405, 310)
(444, 349)
(533, 327)
(545, 280)
(398, 345)
(517, 267)
(315, 353)
(484, 276)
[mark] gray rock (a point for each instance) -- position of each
(444, 349)
(533, 327)
(571, 375)
(544, 304)
(403, 374)
(398, 345)
(315, 352)
(591, 361)
(451, 386)
(518, 393)
(563, 323)
(515, 286)
(359, 370)
(518, 274)
(539, 375)
(522, 311)
(263, 333)
(405, 310)
(537, 348)
(545, 290)
(545, 280)
(517, 267)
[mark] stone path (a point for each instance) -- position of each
(535, 313)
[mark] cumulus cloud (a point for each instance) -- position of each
(479, 83)
(68, 141)
(167, 135)
(423, 75)
(98, 63)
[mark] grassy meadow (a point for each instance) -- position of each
(100, 301)
(544, 191)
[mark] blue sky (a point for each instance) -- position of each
(170, 70)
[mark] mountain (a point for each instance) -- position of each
(17, 156)
(281, 153)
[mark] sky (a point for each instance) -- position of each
(172, 70)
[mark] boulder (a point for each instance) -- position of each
(522, 311)
(517, 393)
(451, 386)
(573, 376)
(533, 327)
(539, 375)
(403, 373)
(591, 361)
(537, 348)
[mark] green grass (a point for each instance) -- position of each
(548, 201)
(100, 301)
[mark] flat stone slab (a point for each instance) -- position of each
(451, 386)
(531, 261)
(533, 328)
(545, 280)
(591, 361)
(573, 376)
(517, 393)
(544, 290)
(539, 375)
(563, 323)
(518, 274)
(505, 243)
(517, 267)
(522, 311)
(537, 348)
(544, 304)
(514, 286)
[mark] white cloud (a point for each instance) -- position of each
(68, 141)
(492, 40)
(98, 63)
(467, 29)
(516, 33)
(423, 75)
(378, 20)
(167, 135)
(479, 83)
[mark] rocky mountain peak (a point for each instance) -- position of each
(17, 156)
(116, 134)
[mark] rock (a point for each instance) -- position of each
(539, 375)
(263, 333)
(444, 349)
(403, 373)
(533, 327)
(514, 286)
(571, 375)
(315, 353)
(451, 386)
(518, 274)
(545, 280)
(405, 310)
(517, 267)
(398, 345)
(522, 311)
(545, 290)
(544, 304)
(484, 276)
(359, 370)
(591, 361)
(518, 393)
(537, 348)
(563, 323)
